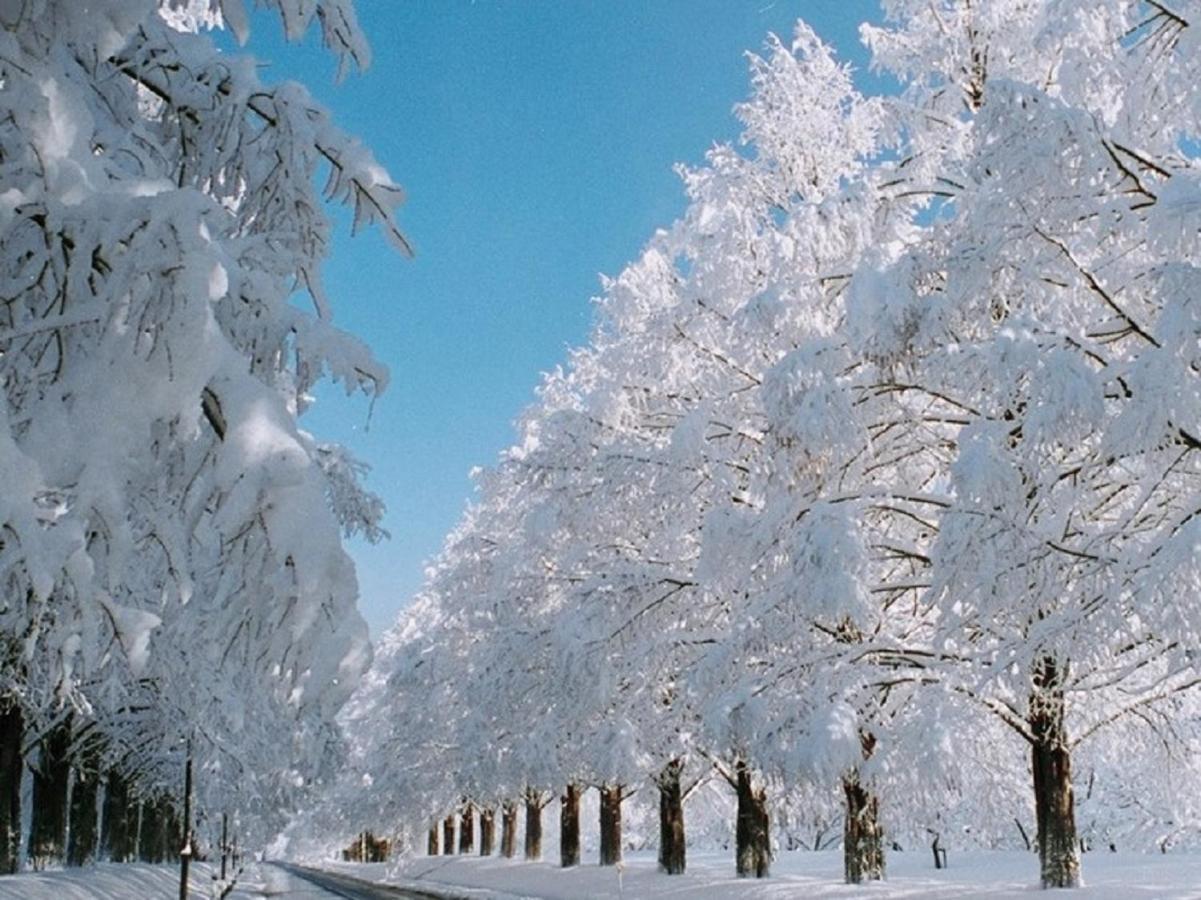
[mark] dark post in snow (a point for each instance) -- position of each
(1051, 758)
(752, 832)
(610, 824)
(467, 828)
(508, 830)
(185, 852)
(671, 819)
(224, 842)
(487, 831)
(12, 731)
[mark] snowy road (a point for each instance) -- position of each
(299, 883)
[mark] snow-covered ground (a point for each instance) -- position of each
(106, 881)
(139, 881)
(995, 875)
(979, 874)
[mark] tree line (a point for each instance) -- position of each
(877, 480)
(173, 589)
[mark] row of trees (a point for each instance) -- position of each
(878, 481)
(172, 577)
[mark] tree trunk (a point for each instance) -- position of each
(432, 842)
(172, 831)
(569, 827)
(672, 849)
(487, 831)
(448, 835)
(508, 830)
(150, 829)
(533, 825)
(118, 831)
(1051, 762)
(862, 836)
(48, 825)
(752, 833)
(12, 731)
(82, 837)
(610, 824)
(467, 829)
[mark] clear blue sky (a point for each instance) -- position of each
(536, 140)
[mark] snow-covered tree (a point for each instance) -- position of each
(884, 450)
(171, 555)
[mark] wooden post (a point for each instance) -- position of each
(185, 852)
(12, 764)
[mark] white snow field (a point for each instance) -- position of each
(108, 881)
(142, 881)
(995, 875)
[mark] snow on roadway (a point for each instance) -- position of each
(990, 875)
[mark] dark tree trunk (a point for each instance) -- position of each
(533, 825)
(1051, 762)
(752, 833)
(448, 835)
(224, 842)
(82, 837)
(569, 827)
(432, 843)
(12, 731)
(172, 831)
(119, 821)
(467, 829)
(862, 836)
(610, 824)
(487, 831)
(150, 830)
(508, 830)
(48, 825)
(672, 849)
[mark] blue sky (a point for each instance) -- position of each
(535, 140)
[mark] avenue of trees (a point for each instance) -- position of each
(173, 588)
(878, 483)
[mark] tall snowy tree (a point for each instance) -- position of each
(171, 553)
